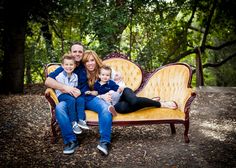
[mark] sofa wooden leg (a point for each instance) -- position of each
(172, 127)
(53, 139)
(54, 132)
(186, 125)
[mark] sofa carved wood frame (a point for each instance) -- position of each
(170, 82)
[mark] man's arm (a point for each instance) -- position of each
(52, 83)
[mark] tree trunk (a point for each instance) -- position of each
(28, 74)
(199, 69)
(48, 40)
(14, 42)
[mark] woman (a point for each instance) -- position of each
(128, 102)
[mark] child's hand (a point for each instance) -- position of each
(77, 93)
(95, 93)
(107, 97)
(87, 92)
(120, 89)
(71, 90)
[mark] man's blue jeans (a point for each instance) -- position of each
(95, 104)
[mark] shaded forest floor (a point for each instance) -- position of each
(25, 136)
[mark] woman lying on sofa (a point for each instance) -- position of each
(128, 102)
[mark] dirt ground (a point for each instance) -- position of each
(25, 140)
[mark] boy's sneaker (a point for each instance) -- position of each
(76, 128)
(70, 147)
(83, 124)
(112, 110)
(103, 147)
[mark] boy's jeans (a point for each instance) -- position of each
(75, 106)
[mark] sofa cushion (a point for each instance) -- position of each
(145, 114)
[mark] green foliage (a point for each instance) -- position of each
(152, 33)
(225, 75)
(209, 77)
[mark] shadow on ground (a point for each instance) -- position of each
(25, 140)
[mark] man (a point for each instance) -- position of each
(91, 103)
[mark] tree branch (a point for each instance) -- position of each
(182, 55)
(196, 29)
(56, 30)
(229, 43)
(191, 51)
(188, 25)
(217, 64)
(208, 26)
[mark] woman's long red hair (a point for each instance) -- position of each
(92, 76)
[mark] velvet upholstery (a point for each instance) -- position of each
(170, 82)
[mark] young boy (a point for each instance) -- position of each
(105, 84)
(75, 104)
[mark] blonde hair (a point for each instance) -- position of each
(92, 76)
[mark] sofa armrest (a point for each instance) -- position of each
(184, 102)
(51, 97)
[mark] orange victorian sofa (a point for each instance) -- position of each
(169, 82)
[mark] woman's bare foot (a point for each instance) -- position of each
(169, 104)
(156, 98)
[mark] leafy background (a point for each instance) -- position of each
(151, 33)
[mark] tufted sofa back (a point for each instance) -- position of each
(170, 82)
(132, 74)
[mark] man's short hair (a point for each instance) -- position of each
(76, 43)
